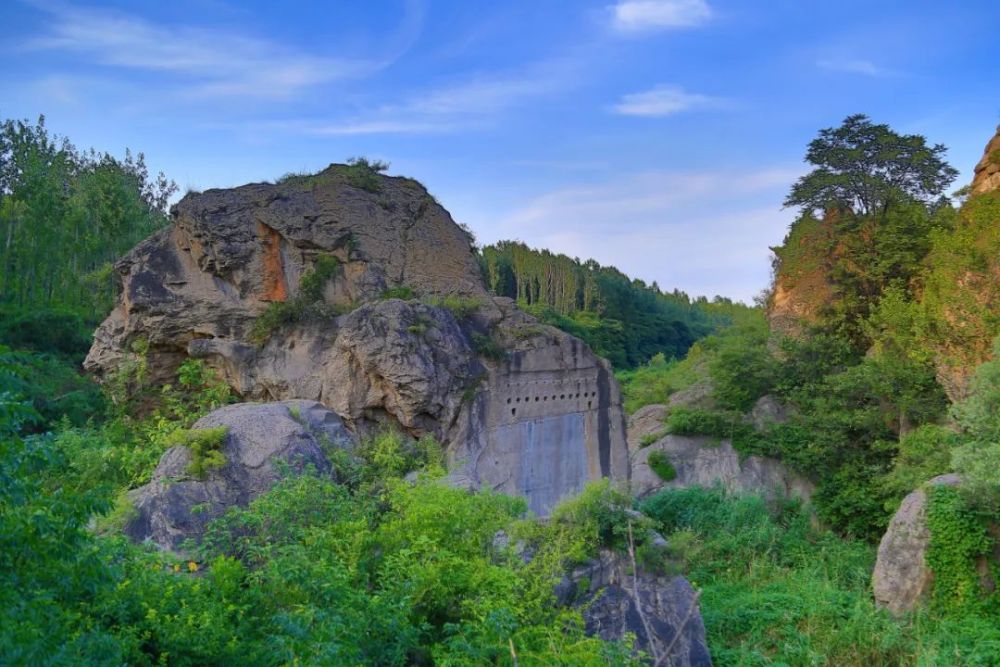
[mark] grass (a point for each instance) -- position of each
(775, 590)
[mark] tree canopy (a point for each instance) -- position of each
(66, 215)
(864, 166)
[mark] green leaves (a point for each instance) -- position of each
(864, 167)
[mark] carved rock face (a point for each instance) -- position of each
(521, 407)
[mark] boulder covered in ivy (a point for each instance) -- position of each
(358, 290)
(936, 547)
(228, 458)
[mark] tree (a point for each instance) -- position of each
(865, 167)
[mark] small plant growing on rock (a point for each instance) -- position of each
(363, 173)
(403, 292)
(662, 466)
(487, 346)
(205, 445)
(462, 307)
(308, 304)
(650, 438)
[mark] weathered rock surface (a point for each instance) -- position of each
(661, 611)
(901, 579)
(175, 506)
(987, 173)
(521, 407)
(705, 461)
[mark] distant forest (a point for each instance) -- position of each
(623, 319)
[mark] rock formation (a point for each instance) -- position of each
(802, 267)
(177, 505)
(987, 173)
(901, 579)
(660, 611)
(521, 407)
(705, 461)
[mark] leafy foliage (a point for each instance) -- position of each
(864, 166)
(205, 445)
(958, 539)
(66, 215)
(775, 589)
(662, 466)
(622, 319)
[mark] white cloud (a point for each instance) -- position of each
(211, 62)
(664, 100)
(632, 16)
(865, 67)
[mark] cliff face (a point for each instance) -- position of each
(987, 174)
(521, 407)
(802, 284)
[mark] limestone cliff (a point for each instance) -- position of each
(521, 407)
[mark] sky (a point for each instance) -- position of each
(658, 136)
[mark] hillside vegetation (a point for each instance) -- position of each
(622, 319)
(879, 337)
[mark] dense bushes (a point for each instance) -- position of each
(776, 590)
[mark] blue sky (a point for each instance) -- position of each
(659, 136)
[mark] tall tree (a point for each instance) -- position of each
(865, 166)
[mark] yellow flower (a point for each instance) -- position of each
(192, 566)
(177, 568)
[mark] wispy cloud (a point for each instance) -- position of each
(664, 100)
(635, 16)
(469, 104)
(211, 62)
(855, 66)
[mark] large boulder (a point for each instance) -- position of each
(176, 506)
(660, 611)
(521, 407)
(902, 580)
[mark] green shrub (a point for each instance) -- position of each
(489, 347)
(47, 330)
(403, 292)
(364, 174)
(650, 438)
(662, 466)
(205, 445)
(460, 306)
(719, 424)
(922, 454)
(307, 305)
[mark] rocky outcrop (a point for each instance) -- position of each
(660, 611)
(987, 173)
(902, 579)
(706, 461)
(521, 407)
(802, 274)
(176, 506)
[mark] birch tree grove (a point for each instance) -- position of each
(67, 215)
